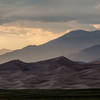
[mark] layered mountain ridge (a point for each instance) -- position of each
(66, 45)
(89, 54)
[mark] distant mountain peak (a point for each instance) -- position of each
(61, 60)
(30, 46)
(80, 31)
(66, 45)
(16, 61)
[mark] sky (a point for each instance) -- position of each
(34, 22)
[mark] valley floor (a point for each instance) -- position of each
(58, 94)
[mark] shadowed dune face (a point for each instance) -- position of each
(58, 72)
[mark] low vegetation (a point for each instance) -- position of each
(57, 94)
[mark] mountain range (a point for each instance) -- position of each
(3, 51)
(55, 73)
(70, 43)
(88, 54)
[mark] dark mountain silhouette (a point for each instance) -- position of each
(64, 46)
(58, 72)
(88, 54)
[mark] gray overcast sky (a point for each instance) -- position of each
(55, 16)
(50, 11)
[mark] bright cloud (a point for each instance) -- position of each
(97, 26)
(17, 37)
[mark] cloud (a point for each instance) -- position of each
(24, 36)
(37, 21)
(75, 25)
(49, 10)
(97, 26)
